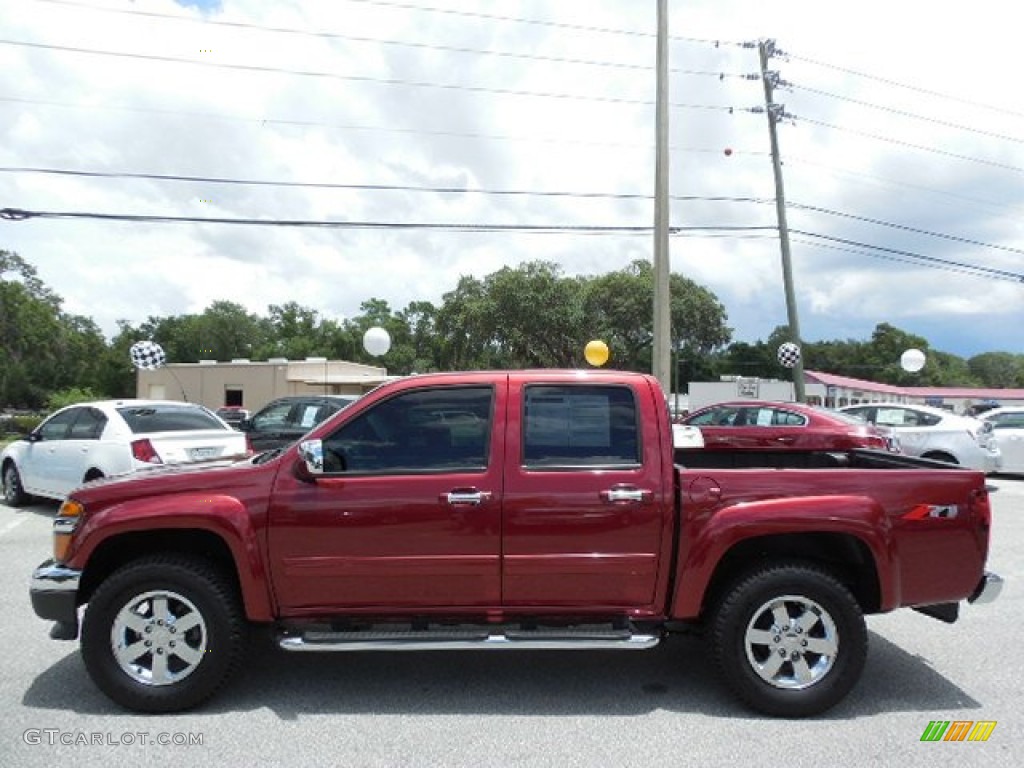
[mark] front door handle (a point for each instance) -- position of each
(466, 497)
(621, 494)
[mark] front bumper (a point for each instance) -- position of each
(988, 589)
(54, 592)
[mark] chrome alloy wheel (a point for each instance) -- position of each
(791, 642)
(158, 638)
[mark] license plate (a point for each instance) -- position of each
(202, 453)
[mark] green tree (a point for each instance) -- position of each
(41, 347)
(619, 308)
(998, 369)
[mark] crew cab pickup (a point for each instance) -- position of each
(509, 510)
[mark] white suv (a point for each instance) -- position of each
(933, 433)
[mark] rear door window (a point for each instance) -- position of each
(88, 426)
(587, 425)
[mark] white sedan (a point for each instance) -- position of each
(1008, 428)
(91, 440)
(934, 433)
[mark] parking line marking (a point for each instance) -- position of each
(12, 525)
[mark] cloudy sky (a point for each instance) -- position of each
(903, 161)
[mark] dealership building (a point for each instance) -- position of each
(251, 385)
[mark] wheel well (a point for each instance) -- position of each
(92, 474)
(940, 456)
(846, 557)
(119, 550)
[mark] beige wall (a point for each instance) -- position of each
(207, 383)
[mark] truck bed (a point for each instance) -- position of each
(698, 458)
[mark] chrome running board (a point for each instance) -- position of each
(462, 639)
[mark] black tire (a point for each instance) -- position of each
(150, 600)
(14, 492)
(940, 456)
(806, 665)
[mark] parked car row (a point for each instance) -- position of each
(994, 442)
(88, 441)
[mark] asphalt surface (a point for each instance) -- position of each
(648, 708)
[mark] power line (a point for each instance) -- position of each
(889, 257)
(923, 148)
(354, 78)
(925, 260)
(353, 127)
(913, 116)
(905, 228)
(884, 181)
(369, 187)
(410, 7)
(323, 34)
(918, 89)
(18, 214)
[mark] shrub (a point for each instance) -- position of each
(71, 396)
(21, 425)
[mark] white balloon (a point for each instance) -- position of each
(912, 360)
(377, 341)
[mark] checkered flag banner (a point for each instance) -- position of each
(788, 354)
(147, 355)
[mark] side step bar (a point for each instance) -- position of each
(484, 638)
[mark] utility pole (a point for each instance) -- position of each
(661, 363)
(776, 112)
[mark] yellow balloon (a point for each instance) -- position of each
(596, 353)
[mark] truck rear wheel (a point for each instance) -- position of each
(163, 633)
(789, 639)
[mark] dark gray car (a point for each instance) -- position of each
(286, 419)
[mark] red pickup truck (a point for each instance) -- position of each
(495, 510)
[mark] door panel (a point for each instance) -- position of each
(584, 499)
(407, 518)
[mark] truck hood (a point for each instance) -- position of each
(175, 478)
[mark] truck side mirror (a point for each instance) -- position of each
(312, 453)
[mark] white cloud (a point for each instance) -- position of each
(145, 116)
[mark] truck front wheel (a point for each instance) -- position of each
(163, 633)
(789, 639)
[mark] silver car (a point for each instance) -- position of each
(1008, 428)
(933, 433)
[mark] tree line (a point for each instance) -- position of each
(528, 316)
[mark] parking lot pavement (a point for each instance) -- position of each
(654, 708)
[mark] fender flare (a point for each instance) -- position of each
(858, 516)
(223, 516)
